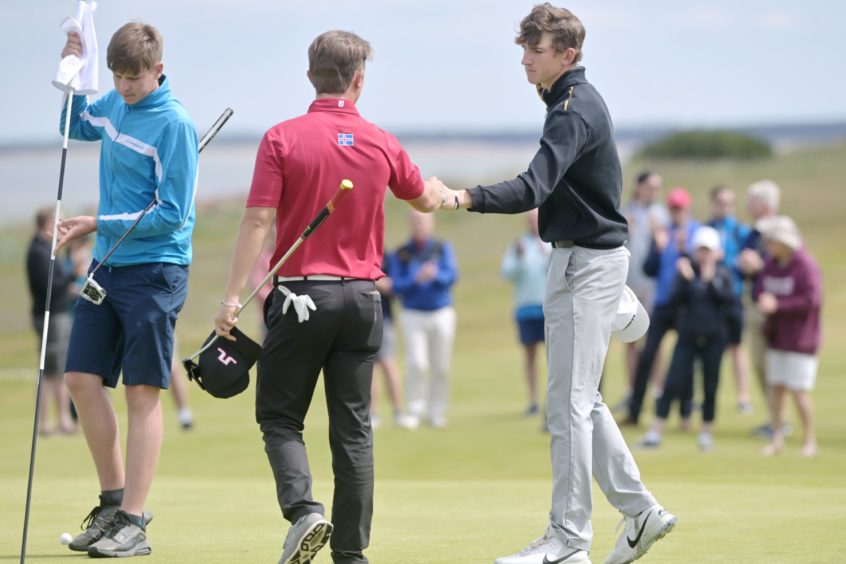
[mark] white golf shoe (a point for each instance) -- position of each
(640, 533)
(546, 550)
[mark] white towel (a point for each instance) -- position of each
(80, 74)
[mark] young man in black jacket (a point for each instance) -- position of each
(576, 182)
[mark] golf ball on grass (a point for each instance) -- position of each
(66, 538)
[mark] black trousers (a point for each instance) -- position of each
(679, 382)
(340, 338)
(660, 322)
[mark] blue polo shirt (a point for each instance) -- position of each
(733, 235)
(406, 262)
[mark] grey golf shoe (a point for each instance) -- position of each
(123, 539)
(96, 524)
(305, 538)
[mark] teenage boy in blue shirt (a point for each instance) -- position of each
(148, 150)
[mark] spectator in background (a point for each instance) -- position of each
(76, 260)
(386, 360)
(668, 245)
(179, 390)
(789, 290)
(702, 290)
(733, 235)
(423, 271)
(525, 264)
(762, 201)
(54, 392)
(645, 214)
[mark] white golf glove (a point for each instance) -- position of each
(301, 304)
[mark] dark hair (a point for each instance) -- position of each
(643, 176)
(716, 190)
(43, 215)
(566, 29)
(333, 59)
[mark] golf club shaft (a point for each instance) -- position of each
(344, 188)
(224, 117)
(330, 207)
(46, 326)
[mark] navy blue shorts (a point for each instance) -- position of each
(132, 330)
(734, 321)
(531, 331)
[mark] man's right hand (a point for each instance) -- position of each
(428, 270)
(661, 238)
(685, 268)
(73, 46)
(750, 262)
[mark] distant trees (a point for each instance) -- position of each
(702, 145)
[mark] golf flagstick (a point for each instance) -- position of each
(345, 187)
(46, 325)
(91, 290)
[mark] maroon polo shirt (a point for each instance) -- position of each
(299, 165)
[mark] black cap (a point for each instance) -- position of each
(223, 369)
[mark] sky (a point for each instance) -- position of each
(445, 65)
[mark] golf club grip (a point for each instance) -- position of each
(216, 126)
(344, 188)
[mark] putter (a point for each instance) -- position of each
(191, 367)
(91, 290)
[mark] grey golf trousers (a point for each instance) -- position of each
(583, 289)
(340, 339)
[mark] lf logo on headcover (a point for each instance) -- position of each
(224, 358)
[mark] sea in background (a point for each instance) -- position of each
(30, 173)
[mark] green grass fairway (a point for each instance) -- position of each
(479, 489)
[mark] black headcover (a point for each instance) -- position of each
(223, 370)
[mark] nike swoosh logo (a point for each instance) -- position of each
(633, 543)
(558, 560)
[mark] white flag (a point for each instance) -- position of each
(80, 74)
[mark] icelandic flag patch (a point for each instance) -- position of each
(345, 139)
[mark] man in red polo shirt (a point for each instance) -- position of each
(336, 322)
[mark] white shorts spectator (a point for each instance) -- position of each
(794, 371)
(388, 349)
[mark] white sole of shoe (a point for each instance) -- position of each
(313, 540)
(141, 549)
(665, 529)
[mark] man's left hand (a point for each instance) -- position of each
(73, 228)
(767, 303)
(226, 320)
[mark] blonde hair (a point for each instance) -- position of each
(766, 192)
(134, 48)
(333, 59)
